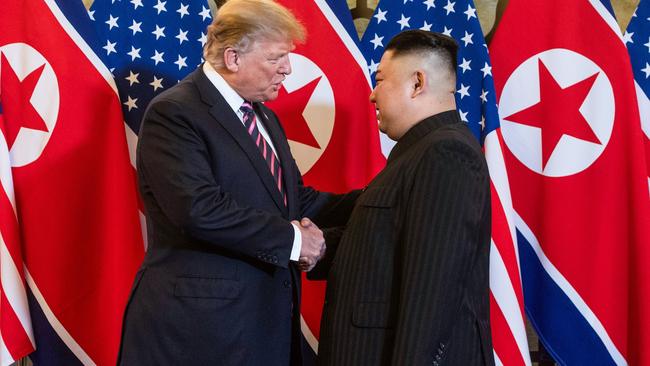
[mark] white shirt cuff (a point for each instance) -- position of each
(297, 243)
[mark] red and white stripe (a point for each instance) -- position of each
(16, 336)
(506, 295)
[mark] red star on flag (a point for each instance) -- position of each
(558, 112)
(17, 109)
(290, 107)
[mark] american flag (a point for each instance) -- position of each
(149, 45)
(476, 103)
(637, 39)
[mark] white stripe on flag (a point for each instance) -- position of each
(607, 17)
(14, 289)
(11, 281)
(506, 299)
(497, 360)
(309, 336)
(5, 356)
(570, 292)
(74, 347)
(499, 177)
(350, 44)
(81, 43)
(501, 284)
(386, 143)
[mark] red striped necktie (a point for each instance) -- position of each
(250, 122)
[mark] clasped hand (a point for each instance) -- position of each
(313, 244)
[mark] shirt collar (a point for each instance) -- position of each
(233, 99)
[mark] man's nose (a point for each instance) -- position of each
(285, 67)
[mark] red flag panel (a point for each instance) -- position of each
(76, 198)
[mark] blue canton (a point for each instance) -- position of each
(475, 96)
(149, 45)
(637, 39)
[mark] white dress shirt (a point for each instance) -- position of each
(235, 102)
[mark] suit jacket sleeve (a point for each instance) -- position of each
(173, 166)
(438, 245)
(325, 209)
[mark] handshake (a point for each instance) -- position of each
(313, 244)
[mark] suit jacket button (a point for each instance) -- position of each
(435, 363)
(286, 283)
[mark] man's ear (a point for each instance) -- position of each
(231, 59)
(419, 80)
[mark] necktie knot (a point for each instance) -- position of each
(249, 118)
(246, 107)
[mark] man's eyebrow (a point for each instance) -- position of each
(275, 54)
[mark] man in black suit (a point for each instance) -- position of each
(408, 284)
(220, 283)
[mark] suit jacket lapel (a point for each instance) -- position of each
(225, 116)
(283, 153)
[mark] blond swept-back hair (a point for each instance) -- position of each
(239, 23)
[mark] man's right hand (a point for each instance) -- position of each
(313, 244)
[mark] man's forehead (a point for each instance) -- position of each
(382, 62)
(385, 62)
(272, 43)
(406, 60)
(386, 56)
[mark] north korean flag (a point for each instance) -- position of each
(575, 159)
(69, 199)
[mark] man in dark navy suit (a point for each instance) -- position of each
(408, 283)
(220, 283)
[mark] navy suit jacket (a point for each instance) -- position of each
(216, 286)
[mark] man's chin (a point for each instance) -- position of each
(380, 126)
(271, 96)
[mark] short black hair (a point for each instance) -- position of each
(420, 41)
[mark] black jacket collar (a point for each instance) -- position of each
(421, 129)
